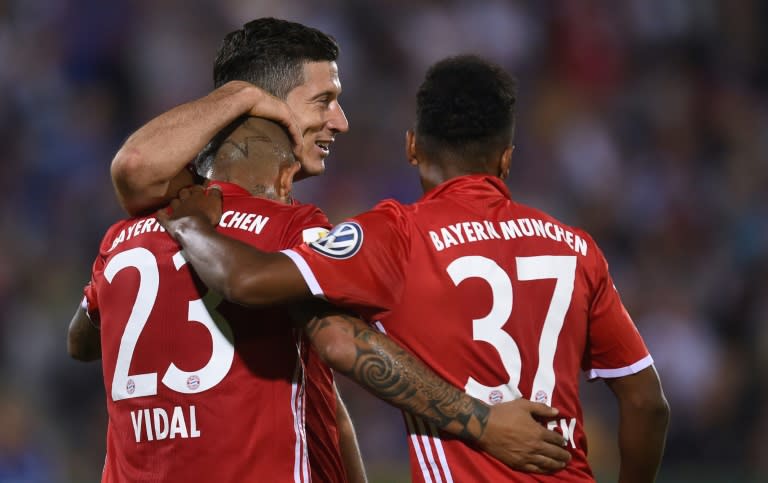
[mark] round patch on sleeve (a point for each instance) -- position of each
(344, 241)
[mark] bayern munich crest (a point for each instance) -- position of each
(495, 397)
(193, 382)
(342, 242)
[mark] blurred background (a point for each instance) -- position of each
(644, 122)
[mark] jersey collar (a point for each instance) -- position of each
(472, 185)
(230, 189)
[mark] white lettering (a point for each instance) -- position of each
(193, 431)
(224, 218)
(449, 240)
(148, 425)
(559, 232)
(178, 425)
(479, 231)
(456, 229)
(567, 427)
(436, 241)
(569, 239)
(548, 228)
(525, 226)
(581, 245)
(258, 224)
(150, 222)
(538, 225)
(491, 230)
(136, 420)
(468, 232)
(237, 218)
(247, 221)
(161, 423)
(510, 230)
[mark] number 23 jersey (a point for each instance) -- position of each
(199, 389)
(498, 298)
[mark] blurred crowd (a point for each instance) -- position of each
(644, 122)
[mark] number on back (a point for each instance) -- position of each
(125, 385)
(490, 328)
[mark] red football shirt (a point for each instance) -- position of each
(498, 298)
(199, 389)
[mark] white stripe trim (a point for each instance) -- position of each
(306, 272)
(441, 453)
(417, 448)
(298, 457)
(428, 450)
(621, 371)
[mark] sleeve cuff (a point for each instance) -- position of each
(306, 272)
(621, 371)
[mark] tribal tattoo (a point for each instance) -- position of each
(394, 375)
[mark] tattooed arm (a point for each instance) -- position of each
(507, 431)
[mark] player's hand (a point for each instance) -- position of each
(275, 109)
(514, 437)
(194, 204)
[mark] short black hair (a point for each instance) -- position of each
(271, 53)
(466, 108)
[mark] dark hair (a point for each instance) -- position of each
(466, 107)
(271, 53)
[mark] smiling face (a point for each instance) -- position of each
(315, 103)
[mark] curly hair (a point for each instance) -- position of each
(466, 106)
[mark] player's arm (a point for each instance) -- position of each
(507, 431)
(248, 276)
(239, 272)
(83, 338)
(350, 450)
(643, 421)
(152, 161)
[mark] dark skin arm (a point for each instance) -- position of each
(506, 431)
(83, 338)
(350, 450)
(250, 277)
(643, 422)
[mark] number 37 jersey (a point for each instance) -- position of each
(498, 298)
(198, 389)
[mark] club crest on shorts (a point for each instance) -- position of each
(342, 242)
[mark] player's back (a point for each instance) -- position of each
(198, 389)
(503, 301)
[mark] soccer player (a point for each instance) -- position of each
(291, 62)
(498, 298)
(144, 298)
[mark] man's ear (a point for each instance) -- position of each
(505, 161)
(285, 179)
(410, 148)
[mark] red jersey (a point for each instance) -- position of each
(199, 389)
(498, 298)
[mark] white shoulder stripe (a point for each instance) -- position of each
(621, 371)
(306, 272)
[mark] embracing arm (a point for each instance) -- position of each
(145, 167)
(644, 417)
(83, 338)
(239, 272)
(506, 431)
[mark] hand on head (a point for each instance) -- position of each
(194, 204)
(277, 110)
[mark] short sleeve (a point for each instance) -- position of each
(309, 226)
(361, 263)
(615, 347)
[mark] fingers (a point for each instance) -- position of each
(553, 437)
(542, 464)
(541, 410)
(215, 191)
